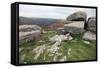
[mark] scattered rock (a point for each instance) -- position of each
(51, 54)
(77, 16)
(25, 62)
(55, 58)
(58, 54)
(61, 38)
(69, 37)
(53, 49)
(58, 39)
(39, 50)
(89, 35)
(69, 50)
(41, 41)
(86, 42)
(63, 58)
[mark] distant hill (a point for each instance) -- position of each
(37, 21)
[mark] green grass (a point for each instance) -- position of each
(79, 50)
(50, 34)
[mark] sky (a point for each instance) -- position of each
(51, 11)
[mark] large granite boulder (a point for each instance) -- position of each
(75, 23)
(75, 27)
(77, 16)
(74, 30)
(91, 24)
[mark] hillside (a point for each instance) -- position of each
(37, 21)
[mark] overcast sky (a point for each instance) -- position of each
(51, 11)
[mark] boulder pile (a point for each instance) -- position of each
(90, 33)
(77, 23)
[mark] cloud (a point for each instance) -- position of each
(51, 11)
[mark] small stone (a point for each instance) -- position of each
(55, 58)
(53, 49)
(59, 38)
(41, 41)
(39, 50)
(25, 62)
(58, 54)
(69, 50)
(86, 42)
(63, 58)
(51, 54)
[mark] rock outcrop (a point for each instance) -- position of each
(77, 16)
(91, 24)
(90, 33)
(28, 32)
(75, 23)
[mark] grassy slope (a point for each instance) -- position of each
(79, 50)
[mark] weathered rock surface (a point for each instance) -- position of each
(69, 50)
(53, 49)
(75, 22)
(91, 24)
(86, 42)
(28, 32)
(77, 16)
(60, 38)
(74, 30)
(78, 24)
(64, 58)
(24, 28)
(89, 35)
(75, 27)
(39, 50)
